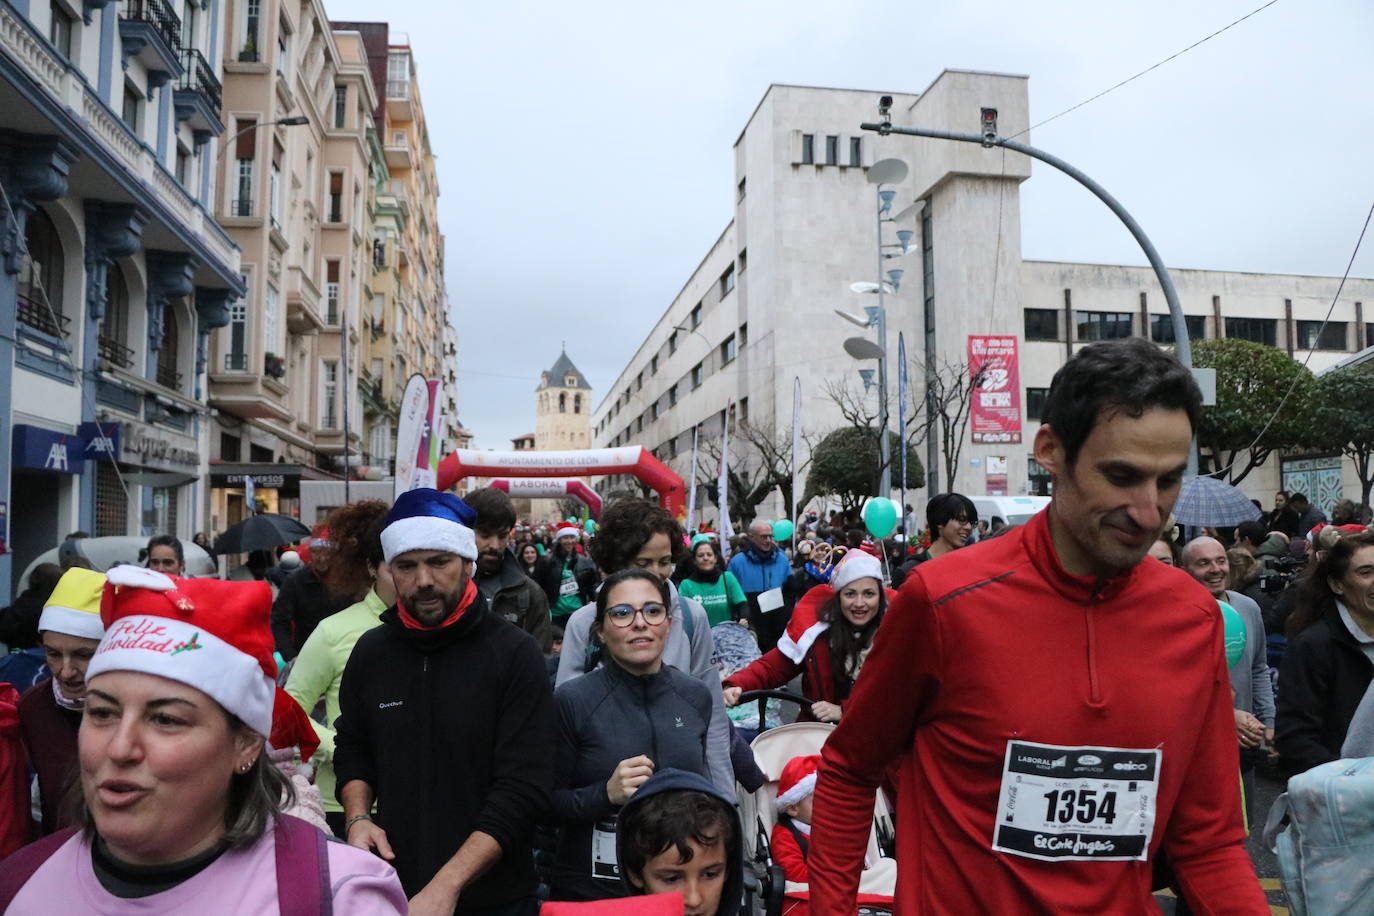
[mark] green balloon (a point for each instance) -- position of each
(782, 530)
(589, 526)
(880, 516)
(1234, 633)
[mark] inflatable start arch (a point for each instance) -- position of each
(552, 488)
(597, 462)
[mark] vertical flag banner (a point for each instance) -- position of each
(427, 452)
(901, 424)
(796, 447)
(995, 411)
(692, 490)
(723, 486)
(413, 423)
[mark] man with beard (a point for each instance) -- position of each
(511, 594)
(447, 723)
(1057, 712)
(568, 577)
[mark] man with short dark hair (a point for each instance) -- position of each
(1205, 560)
(1309, 516)
(447, 723)
(511, 594)
(1038, 771)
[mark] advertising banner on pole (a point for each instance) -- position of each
(995, 407)
(723, 487)
(692, 490)
(412, 426)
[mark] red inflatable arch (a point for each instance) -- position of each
(630, 459)
(551, 488)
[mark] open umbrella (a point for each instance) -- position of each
(261, 532)
(1208, 501)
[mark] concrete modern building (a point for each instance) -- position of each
(759, 310)
(113, 271)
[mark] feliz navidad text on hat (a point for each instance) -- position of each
(148, 634)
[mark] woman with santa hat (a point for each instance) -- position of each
(827, 640)
(179, 808)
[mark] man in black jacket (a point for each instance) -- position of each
(446, 721)
(568, 577)
(305, 600)
(511, 594)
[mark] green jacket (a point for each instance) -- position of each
(318, 672)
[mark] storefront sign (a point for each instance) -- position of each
(47, 450)
(995, 411)
(143, 446)
(258, 481)
(101, 440)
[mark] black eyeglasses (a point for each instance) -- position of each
(623, 615)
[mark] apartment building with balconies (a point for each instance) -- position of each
(112, 269)
(298, 103)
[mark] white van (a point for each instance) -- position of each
(1000, 511)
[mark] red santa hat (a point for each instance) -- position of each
(569, 531)
(206, 633)
(798, 780)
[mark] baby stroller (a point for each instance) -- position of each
(767, 893)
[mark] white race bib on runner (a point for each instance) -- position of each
(1077, 803)
(604, 864)
(567, 587)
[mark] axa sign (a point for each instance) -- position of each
(47, 450)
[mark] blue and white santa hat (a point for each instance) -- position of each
(425, 519)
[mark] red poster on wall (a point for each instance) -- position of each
(995, 411)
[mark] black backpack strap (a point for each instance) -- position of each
(803, 841)
(19, 866)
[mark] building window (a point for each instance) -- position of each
(672, 447)
(653, 364)
(741, 190)
(808, 149)
(698, 374)
(245, 153)
(832, 150)
(113, 339)
(340, 106)
(1035, 402)
(1102, 325)
(111, 504)
(167, 374)
(1042, 324)
(1369, 334)
(672, 343)
(336, 197)
(269, 319)
(398, 76)
(639, 382)
(274, 186)
(133, 102)
(40, 277)
(329, 415)
(562, 402)
(653, 411)
(183, 166)
(283, 48)
(742, 410)
(60, 28)
(577, 403)
(1313, 336)
(1260, 330)
(727, 281)
(743, 260)
(727, 351)
(743, 335)
(250, 32)
(331, 292)
(856, 151)
(694, 320)
(236, 360)
(1162, 328)
(672, 396)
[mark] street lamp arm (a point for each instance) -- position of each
(1181, 341)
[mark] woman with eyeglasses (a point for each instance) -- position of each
(617, 726)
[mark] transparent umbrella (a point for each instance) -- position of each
(1212, 502)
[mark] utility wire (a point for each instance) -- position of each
(1156, 66)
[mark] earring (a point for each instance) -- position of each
(246, 767)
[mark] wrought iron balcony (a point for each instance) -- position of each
(241, 207)
(115, 352)
(168, 377)
(198, 76)
(37, 316)
(236, 362)
(164, 23)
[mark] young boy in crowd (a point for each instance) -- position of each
(677, 834)
(791, 837)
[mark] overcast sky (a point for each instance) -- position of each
(584, 150)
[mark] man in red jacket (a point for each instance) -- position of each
(1059, 704)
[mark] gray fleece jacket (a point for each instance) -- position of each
(692, 656)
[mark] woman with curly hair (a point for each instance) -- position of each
(356, 568)
(635, 533)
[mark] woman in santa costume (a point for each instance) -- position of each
(827, 640)
(180, 808)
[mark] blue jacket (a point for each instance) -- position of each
(754, 576)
